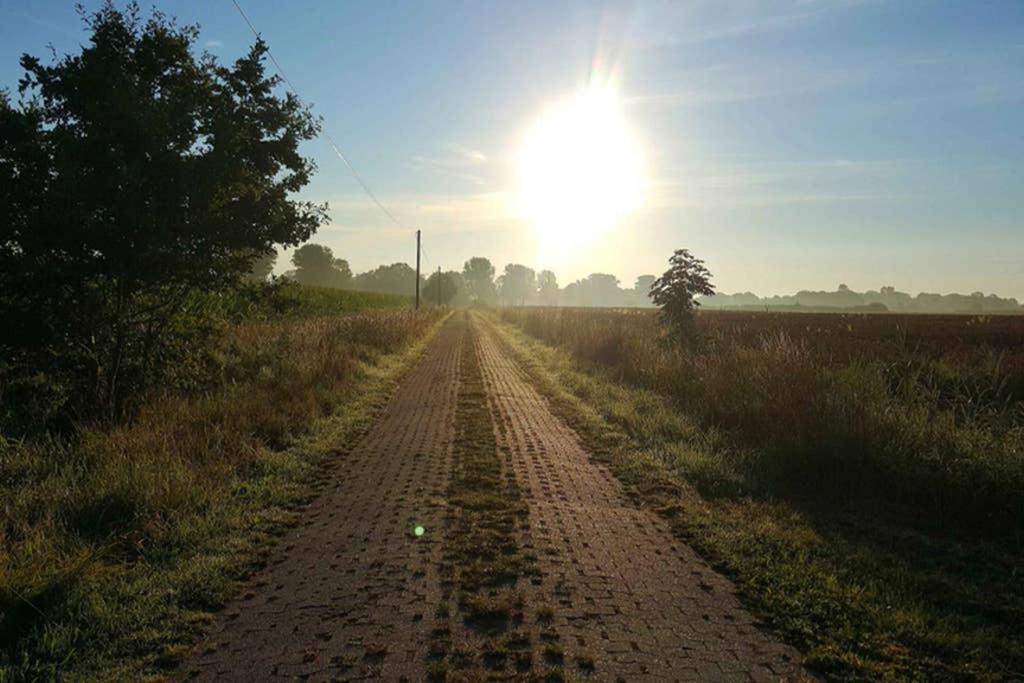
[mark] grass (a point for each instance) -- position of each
(935, 425)
(289, 301)
(857, 584)
(481, 546)
(116, 544)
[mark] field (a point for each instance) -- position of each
(115, 539)
(860, 476)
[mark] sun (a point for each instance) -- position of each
(581, 170)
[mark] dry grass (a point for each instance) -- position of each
(864, 589)
(814, 407)
(109, 544)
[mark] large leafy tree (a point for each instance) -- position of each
(599, 289)
(442, 288)
(316, 265)
(137, 178)
(547, 288)
(478, 273)
(676, 292)
(517, 284)
(397, 278)
(642, 288)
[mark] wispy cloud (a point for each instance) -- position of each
(753, 184)
(213, 44)
(672, 23)
(743, 82)
(438, 212)
(455, 161)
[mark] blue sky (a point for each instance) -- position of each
(791, 143)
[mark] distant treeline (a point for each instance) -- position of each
(885, 299)
(478, 283)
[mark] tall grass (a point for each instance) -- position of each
(859, 587)
(102, 533)
(943, 438)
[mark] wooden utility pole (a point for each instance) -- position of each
(417, 270)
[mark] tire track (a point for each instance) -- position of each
(629, 600)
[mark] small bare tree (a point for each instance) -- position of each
(676, 292)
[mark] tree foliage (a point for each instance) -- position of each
(478, 272)
(442, 288)
(262, 266)
(137, 179)
(676, 291)
(642, 287)
(316, 266)
(517, 284)
(397, 278)
(547, 288)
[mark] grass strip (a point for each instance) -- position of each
(483, 562)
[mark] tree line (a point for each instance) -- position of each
(478, 283)
(883, 299)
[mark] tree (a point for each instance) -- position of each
(600, 289)
(479, 276)
(316, 266)
(262, 266)
(517, 284)
(547, 288)
(462, 298)
(441, 288)
(642, 289)
(397, 278)
(676, 290)
(138, 178)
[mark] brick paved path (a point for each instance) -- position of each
(352, 593)
(625, 592)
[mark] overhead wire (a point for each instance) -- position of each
(326, 133)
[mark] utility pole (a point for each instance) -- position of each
(439, 285)
(417, 270)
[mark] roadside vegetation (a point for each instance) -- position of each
(115, 541)
(163, 407)
(867, 503)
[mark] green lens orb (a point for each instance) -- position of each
(419, 531)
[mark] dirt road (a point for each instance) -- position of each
(563, 576)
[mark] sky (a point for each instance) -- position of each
(791, 144)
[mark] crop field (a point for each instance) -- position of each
(919, 410)
(858, 474)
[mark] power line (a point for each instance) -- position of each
(327, 133)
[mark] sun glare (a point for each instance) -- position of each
(581, 170)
